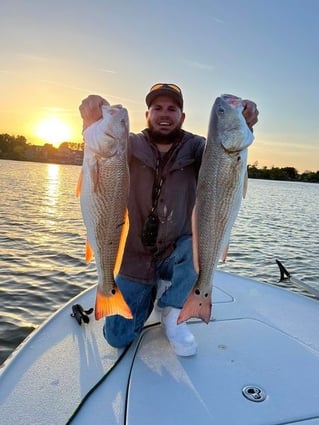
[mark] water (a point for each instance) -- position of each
(42, 241)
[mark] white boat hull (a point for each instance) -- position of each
(262, 343)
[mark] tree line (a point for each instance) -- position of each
(18, 148)
(12, 146)
(284, 173)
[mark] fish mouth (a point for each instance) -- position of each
(237, 149)
(231, 99)
(106, 150)
(233, 151)
(110, 136)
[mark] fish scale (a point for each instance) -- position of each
(214, 220)
(108, 222)
(104, 197)
(219, 192)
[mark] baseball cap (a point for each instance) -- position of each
(165, 89)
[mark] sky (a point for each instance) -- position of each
(56, 53)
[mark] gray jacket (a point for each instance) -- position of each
(175, 203)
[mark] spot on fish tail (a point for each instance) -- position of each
(109, 305)
(197, 305)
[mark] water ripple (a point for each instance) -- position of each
(42, 241)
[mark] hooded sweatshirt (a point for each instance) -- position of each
(178, 171)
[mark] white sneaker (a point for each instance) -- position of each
(180, 337)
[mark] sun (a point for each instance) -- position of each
(54, 131)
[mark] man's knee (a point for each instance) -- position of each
(118, 332)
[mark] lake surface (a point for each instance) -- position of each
(42, 241)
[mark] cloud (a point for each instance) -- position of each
(108, 71)
(219, 21)
(33, 58)
(66, 86)
(199, 65)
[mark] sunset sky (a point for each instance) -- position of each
(55, 53)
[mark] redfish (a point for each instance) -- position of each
(220, 188)
(103, 189)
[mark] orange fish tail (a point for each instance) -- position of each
(198, 305)
(109, 305)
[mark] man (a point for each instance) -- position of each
(164, 161)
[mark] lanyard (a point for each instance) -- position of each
(160, 174)
(157, 186)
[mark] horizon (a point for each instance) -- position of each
(249, 164)
(52, 58)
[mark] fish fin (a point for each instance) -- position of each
(198, 304)
(79, 185)
(89, 253)
(224, 253)
(245, 184)
(120, 251)
(195, 240)
(94, 173)
(109, 305)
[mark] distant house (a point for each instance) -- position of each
(35, 153)
(65, 155)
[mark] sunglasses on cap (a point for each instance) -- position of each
(165, 86)
(165, 89)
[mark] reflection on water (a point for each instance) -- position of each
(42, 241)
(41, 244)
(49, 204)
(277, 220)
(53, 186)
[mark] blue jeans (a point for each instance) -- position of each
(178, 268)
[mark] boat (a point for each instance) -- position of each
(257, 364)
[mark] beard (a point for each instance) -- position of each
(164, 139)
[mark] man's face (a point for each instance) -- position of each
(164, 116)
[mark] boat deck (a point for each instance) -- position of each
(257, 363)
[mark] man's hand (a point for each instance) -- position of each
(91, 109)
(250, 112)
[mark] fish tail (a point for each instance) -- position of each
(109, 305)
(198, 305)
